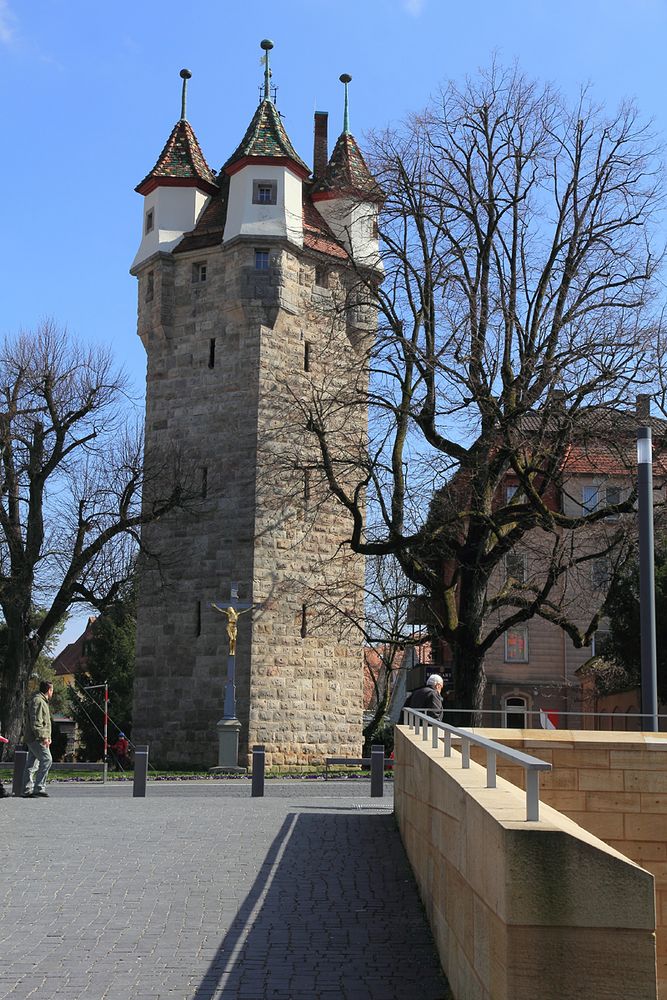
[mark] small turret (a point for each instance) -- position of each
(176, 190)
(266, 176)
(348, 196)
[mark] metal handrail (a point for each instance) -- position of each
(531, 765)
(534, 713)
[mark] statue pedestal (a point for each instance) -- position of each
(228, 748)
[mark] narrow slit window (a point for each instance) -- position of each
(150, 286)
(150, 221)
(306, 485)
(198, 618)
(204, 482)
(306, 355)
(304, 621)
(321, 277)
(211, 353)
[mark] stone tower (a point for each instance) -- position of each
(247, 300)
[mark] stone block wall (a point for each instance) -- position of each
(614, 787)
(519, 910)
(225, 395)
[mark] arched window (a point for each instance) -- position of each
(515, 712)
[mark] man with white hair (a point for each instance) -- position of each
(428, 698)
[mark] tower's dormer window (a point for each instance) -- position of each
(150, 221)
(199, 271)
(261, 260)
(264, 192)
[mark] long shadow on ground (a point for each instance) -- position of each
(334, 913)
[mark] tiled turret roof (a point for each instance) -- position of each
(266, 137)
(180, 160)
(347, 172)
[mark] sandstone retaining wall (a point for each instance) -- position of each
(519, 910)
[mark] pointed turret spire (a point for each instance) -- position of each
(346, 79)
(265, 140)
(185, 75)
(267, 45)
(181, 160)
(347, 172)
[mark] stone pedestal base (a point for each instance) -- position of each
(228, 747)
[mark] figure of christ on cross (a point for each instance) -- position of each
(232, 611)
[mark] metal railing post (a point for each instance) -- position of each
(18, 777)
(425, 729)
(435, 738)
(448, 743)
(532, 795)
(258, 760)
(377, 771)
(490, 769)
(140, 772)
(465, 752)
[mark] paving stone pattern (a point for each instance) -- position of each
(199, 891)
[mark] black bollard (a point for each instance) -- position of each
(258, 759)
(140, 772)
(377, 771)
(20, 764)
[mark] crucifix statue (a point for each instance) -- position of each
(233, 609)
(232, 628)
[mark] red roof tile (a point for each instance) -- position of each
(317, 235)
(211, 225)
(209, 230)
(72, 659)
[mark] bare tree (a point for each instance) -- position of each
(71, 483)
(379, 623)
(515, 323)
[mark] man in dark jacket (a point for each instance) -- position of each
(428, 698)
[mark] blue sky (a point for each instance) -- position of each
(91, 92)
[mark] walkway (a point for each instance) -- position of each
(199, 892)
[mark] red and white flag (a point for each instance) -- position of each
(548, 720)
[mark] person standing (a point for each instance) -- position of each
(39, 741)
(120, 749)
(428, 698)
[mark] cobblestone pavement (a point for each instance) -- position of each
(199, 891)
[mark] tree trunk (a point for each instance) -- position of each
(19, 662)
(371, 729)
(469, 686)
(468, 661)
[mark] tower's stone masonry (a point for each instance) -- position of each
(221, 356)
(236, 354)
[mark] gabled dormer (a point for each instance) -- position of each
(266, 177)
(348, 197)
(176, 190)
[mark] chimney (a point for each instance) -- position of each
(643, 407)
(320, 144)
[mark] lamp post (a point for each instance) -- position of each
(647, 580)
